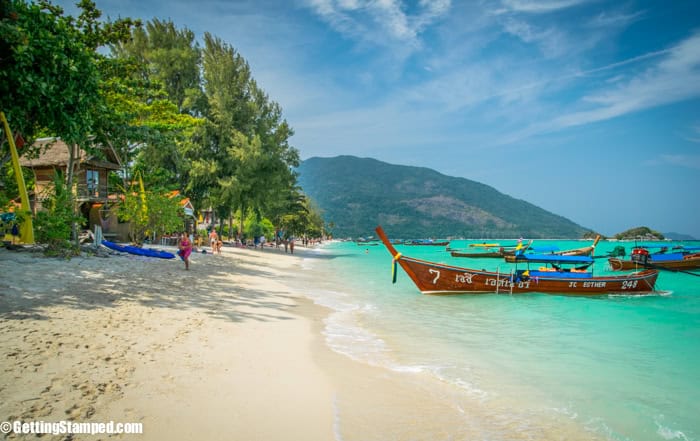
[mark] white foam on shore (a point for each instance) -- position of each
(345, 334)
(668, 433)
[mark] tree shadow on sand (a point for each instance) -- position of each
(93, 283)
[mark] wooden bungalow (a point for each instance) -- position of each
(91, 182)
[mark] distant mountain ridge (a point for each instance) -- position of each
(679, 236)
(357, 194)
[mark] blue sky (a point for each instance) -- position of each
(587, 108)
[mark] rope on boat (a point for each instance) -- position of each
(648, 284)
(393, 267)
(498, 278)
(512, 282)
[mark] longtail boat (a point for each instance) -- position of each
(438, 278)
(428, 242)
(583, 251)
(642, 258)
(495, 251)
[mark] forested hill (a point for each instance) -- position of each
(357, 194)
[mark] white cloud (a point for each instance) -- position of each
(676, 77)
(615, 19)
(379, 22)
(538, 6)
(551, 41)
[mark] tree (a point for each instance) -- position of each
(254, 227)
(145, 126)
(639, 233)
(49, 79)
(302, 217)
(53, 84)
(158, 214)
(170, 57)
(246, 161)
(53, 225)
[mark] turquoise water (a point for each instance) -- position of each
(621, 367)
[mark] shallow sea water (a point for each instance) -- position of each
(614, 367)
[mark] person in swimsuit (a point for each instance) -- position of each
(214, 241)
(185, 247)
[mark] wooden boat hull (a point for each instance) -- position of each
(436, 278)
(691, 262)
(586, 251)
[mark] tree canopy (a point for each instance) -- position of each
(189, 118)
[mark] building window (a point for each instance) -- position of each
(93, 182)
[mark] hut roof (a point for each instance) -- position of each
(54, 153)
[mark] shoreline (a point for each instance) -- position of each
(225, 350)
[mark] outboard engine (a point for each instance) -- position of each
(640, 256)
(618, 251)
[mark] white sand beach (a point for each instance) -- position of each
(225, 351)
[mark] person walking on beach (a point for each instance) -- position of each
(214, 241)
(185, 249)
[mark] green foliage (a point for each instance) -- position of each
(302, 217)
(57, 94)
(157, 214)
(187, 118)
(52, 225)
(8, 184)
(239, 158)
(643, 233)
(49, 76)
(170, 57)
(243, 159)
(252, 227)
(359, 194)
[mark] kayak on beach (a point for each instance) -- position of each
(138, 251)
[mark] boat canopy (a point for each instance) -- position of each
(665, 257)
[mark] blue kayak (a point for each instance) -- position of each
(138, 251)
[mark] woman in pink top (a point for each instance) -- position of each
(185, 247)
